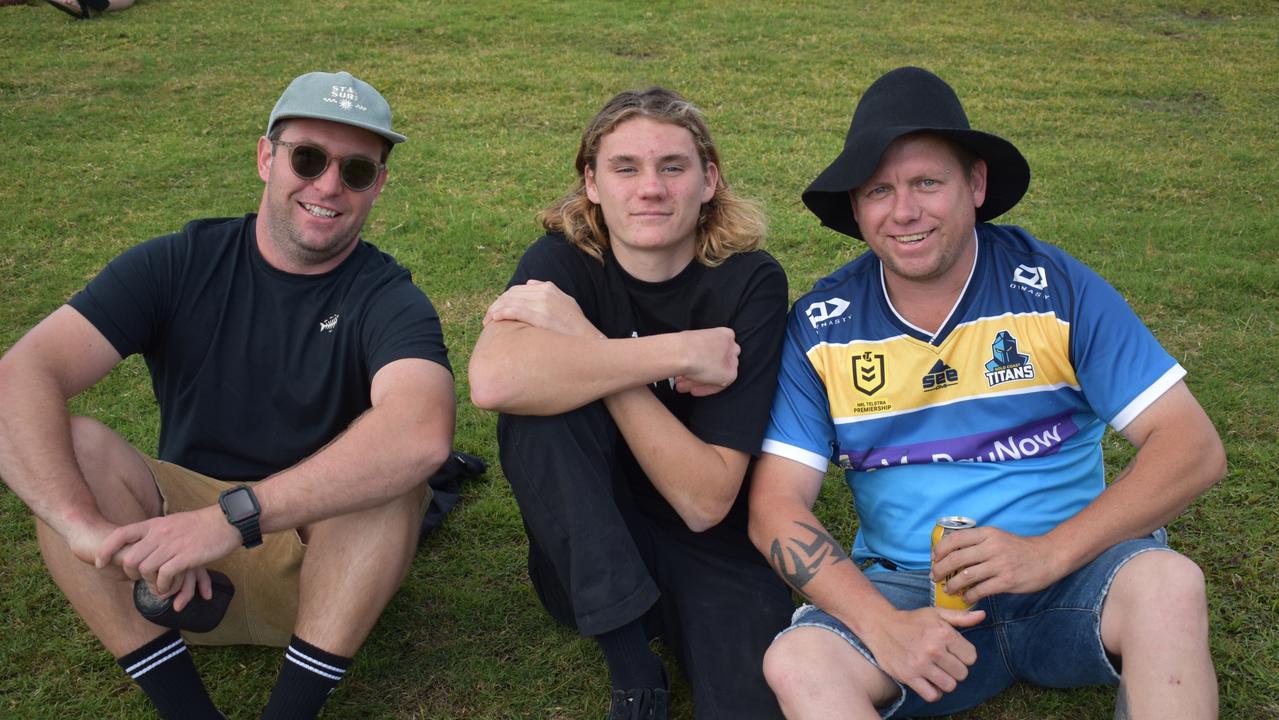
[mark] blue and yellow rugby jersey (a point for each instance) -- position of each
(997, 417)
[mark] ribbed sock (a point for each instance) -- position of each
(308, 676)
(631, 662)
(165, 672)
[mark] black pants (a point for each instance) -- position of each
(598, 562)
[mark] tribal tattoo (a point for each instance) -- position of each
(799, 561)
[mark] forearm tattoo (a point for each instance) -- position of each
(799, 559)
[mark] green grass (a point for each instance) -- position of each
(1149, 126)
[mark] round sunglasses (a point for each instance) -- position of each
(309, 162)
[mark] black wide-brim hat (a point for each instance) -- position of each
(903, 101)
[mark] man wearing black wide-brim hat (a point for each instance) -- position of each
(966, 371)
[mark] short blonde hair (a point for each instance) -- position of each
(727, 225)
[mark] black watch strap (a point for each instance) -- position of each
(250, 532)
(241, 508)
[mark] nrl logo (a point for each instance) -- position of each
(345, 98)
(868, 372)
(329, 323)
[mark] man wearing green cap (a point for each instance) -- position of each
(305, 396)
(963, 368)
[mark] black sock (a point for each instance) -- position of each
(307, 676)
(631, 662)
(165, 672)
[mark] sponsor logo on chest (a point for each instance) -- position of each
(939, 376)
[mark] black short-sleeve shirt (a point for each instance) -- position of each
(253, 368)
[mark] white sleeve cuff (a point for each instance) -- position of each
(798, 454)
(1148, 396)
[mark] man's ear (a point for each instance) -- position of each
(588, 178)
(379, 183)
(977, 182)
(265, 149)
(712, 182)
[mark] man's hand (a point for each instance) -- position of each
(713, 354)
(540, 304)
(84, 541)
(684, 385)
(986, 561)
(170, 552)
(921, 648)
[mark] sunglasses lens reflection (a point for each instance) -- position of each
(309, 162)
(359, 173)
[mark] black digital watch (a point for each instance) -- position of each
(241, 508)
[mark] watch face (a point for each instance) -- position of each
(238, 504)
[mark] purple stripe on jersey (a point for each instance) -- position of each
(1044, 436)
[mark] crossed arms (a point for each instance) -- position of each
(539, 355)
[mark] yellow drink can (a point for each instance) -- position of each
(944, 527)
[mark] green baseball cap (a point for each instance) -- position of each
(337, 97)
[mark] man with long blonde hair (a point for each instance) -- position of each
(633, 357)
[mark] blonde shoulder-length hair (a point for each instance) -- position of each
(728, 224)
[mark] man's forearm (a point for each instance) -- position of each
(526, 370)
(55, 361)
(813, 563)
(37, 460)
(801, 553)
(391, 448)
(1179, 456)
(694, 477)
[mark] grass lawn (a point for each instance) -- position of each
(1149, 126)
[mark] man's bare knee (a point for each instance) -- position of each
(110, 466)
(1154, 593)
(812, 670)
(397, 520)
(783, 667)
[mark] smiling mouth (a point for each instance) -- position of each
(317, 211)
(910, 239)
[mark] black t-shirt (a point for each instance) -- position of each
(254, 369)
(746, 293)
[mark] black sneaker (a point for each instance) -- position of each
(643, 704)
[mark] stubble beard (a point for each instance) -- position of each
(289, 242)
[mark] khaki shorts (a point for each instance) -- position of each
(265, 604)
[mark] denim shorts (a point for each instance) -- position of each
(1051, 638)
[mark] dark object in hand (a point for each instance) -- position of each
(199, 615)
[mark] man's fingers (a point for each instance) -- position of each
(965, 652)
(954, 667)
(205, 583)
(967, 578)
(116, 541)
(165, 581)
(187, 593)
(940, 678)
(925, 689)
(962, 618)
